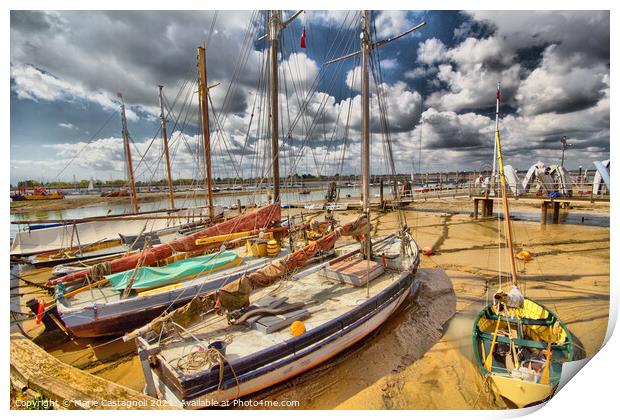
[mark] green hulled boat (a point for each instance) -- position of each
(519, 345)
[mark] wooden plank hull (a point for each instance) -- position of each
(118, 317)
(263, 360)
(318, 353)
(523, 387)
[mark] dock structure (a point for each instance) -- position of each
(35, 370)
(546, 203)
(487, 206)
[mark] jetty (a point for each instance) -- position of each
(34, 371)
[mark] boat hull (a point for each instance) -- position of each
(116, 318)
(333, 338)
(521, 393)
(507, 383)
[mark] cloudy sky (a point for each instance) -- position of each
(438, 87)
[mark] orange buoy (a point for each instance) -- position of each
(427, 250)
(297, 328)
(525, 256)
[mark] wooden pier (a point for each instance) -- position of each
(546, 203)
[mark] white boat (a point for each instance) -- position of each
(278, 322)
(79, 234)
(337, 207)
(313, 206)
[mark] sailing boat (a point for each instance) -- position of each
(98, 309)
(99, 236)
(519, 344)
(280, 322)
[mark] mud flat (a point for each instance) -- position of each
(421, 359)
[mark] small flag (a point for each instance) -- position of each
(498, 95)
(303, 39)
(120, 95)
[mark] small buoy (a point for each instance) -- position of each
(525, 256)
(427, 250)
(297, 328)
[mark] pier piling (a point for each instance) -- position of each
(556, 212)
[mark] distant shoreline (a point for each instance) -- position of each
(79, 201)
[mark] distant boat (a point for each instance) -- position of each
(116, 193)
(337, 206)
(37, 194)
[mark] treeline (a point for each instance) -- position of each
(97, 183)
(116, 183)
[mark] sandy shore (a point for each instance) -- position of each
(415, 363)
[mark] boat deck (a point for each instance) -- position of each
(325, 299)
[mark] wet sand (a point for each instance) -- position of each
(415, 363)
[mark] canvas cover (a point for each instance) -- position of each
(259, 218)
(150, 277)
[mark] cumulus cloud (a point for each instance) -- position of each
(34, 84)
(431, 51)
(560, 85)
(555, 82)
(391, 22)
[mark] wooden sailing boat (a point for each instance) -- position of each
(98, 309)
(198, 358)
(96, 237)
(519, 344)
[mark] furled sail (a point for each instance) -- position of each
(259, 218)
(236, 295)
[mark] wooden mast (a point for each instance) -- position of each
(164, 135)
(502, 177)
(365, 129)
(204, 112)
(274, 35)
(366, 47)
(132, 184)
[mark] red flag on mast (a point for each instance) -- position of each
(498, 94)
(303, 39)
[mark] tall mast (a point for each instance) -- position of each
(502, 177)
(365, 57)
(204, 112)
(366, 47)
(495, 145)
(164, 135)
(274, 34)
(132, 184)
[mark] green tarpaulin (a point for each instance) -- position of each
(149, 277)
